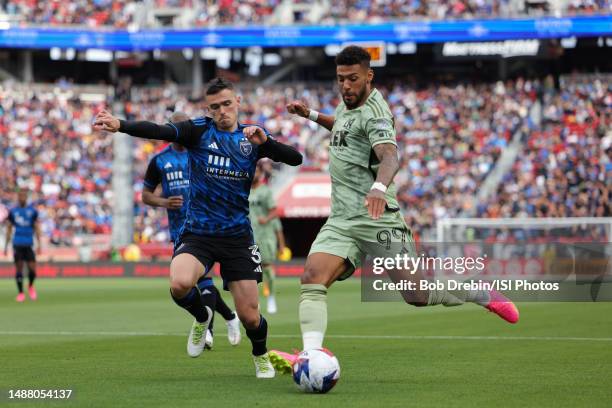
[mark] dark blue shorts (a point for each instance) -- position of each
(23, 253)
(238, 257)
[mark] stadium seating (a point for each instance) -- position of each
(449, 136)
(566, 164)
(201, 13)
(47, 145)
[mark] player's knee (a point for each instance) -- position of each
(312, 274)
(180, 286)
(249, 318)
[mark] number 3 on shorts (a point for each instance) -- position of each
(256, 255)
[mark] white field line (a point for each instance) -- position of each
(297, 336)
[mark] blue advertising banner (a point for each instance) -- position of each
(305, 36)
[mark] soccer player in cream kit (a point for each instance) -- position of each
(364, 208)
(223, 154)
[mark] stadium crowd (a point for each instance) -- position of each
(565, 168)
(90, 13)
(203, 13)
(46, 145)
(449, 137)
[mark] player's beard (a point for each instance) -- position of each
(358, 98)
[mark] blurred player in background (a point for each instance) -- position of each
(24, 220)
(363, 163)
(223, 155)
(170, 168)
(262, 212)
(284, 253)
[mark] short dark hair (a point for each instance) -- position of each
(352, 55)
(218, 84)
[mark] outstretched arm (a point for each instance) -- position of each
(300, 109)
(184, 133)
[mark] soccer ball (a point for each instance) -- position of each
(316, 370)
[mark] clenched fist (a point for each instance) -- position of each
(255, 135)
(105, 121)
(298, 108)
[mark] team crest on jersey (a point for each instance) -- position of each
(349, 123)
(246, 148)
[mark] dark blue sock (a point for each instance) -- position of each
(31, 275)
(19, 280)
(209, 298)
(221, 307)
(193, 304)
(258, 337)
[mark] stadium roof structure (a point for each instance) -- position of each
(307, 36)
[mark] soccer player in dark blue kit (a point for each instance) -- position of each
(24, 219)
(170, 168)
(223, 154)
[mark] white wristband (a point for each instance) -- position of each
(379, 186)
(313, 115)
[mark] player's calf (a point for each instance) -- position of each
(320, 272)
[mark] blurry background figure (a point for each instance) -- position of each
(265, 224)
(23, 219)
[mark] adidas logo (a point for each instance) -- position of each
(206, 292)
(213, 145)
(168, 165)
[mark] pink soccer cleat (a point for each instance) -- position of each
(32, 293)
(20, 297)
(503, 307)
(282, 362)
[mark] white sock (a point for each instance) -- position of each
(312, 340)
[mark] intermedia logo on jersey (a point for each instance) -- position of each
(218, 161)
(174, 175)
(223, 167)
(176, 180)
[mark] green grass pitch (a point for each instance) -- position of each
(121, 342)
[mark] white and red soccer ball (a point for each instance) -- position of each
(316, 370)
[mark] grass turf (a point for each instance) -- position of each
(121, 342)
